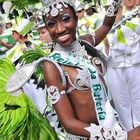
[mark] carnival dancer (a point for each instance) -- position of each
(124, 64)
(74, 76)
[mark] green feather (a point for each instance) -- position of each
(19, 118)
(32, 55)
(22, 4)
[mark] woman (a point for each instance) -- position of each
(19, 35)
(74, 76)
(43, 33)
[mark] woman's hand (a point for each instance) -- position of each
(113, 8)
(1, 42)
(134, 134)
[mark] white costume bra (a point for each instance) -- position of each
(81, 82)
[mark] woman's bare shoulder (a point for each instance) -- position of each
(53, 73)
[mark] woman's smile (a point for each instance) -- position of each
(64, 38)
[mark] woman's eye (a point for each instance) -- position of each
(66, 18)
(43, 32)
(50, 23)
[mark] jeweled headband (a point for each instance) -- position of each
(53, 7)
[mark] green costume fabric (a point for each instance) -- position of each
(6, 37)
(9, 39)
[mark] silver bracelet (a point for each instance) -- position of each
(105, 133)
(54, 94)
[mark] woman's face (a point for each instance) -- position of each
(8, 25)
(80, 14)
(16, 36)
(129, 4)
(62, 28)
(44, 35)
(1, 30)
(138, 2)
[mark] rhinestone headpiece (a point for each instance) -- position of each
(53, 7)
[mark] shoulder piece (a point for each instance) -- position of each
(18, 79)
(99, 65)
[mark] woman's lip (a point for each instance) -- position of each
(64, 38)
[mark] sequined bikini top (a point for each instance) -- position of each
(81, 82)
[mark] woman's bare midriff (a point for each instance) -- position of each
(81, 100)
(83, 106)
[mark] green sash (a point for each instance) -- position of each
(104, 111)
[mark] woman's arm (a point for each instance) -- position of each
(111, 12)
(9, 46)
(63, 107)
(134, 134)
(98, 36)
(101, 32)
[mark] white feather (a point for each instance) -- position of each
(6, 6)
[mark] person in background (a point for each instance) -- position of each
(82, 27)
(2, 48)
(93, 17)
(43, 33)
(123, 74)
(19, 35)
(6, 39)
(9, 25)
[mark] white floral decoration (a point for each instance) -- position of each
(53, 7)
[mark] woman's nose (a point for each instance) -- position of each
(60, 28)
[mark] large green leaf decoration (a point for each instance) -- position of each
(19, 118)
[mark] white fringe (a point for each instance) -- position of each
(74, 137)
